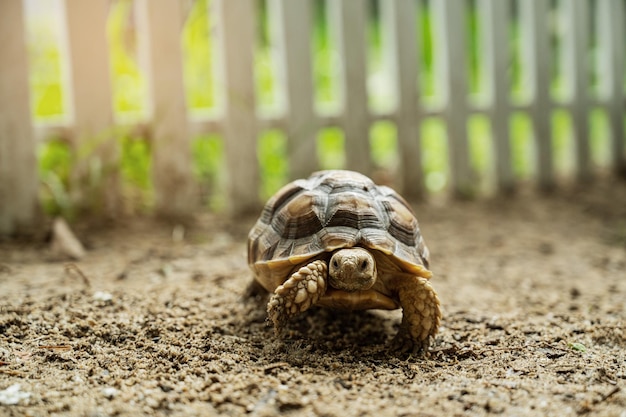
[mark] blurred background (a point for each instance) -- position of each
(170, 106)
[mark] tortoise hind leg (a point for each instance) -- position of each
(253, 290)
(421, 315)
(298, 293)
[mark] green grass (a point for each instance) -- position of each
(481, 152)
(55, 161)
(425, 42)
(600, 138)
(331, 148)
(522, 146)
(59, 165)
(272, 151)
(381, 92)
(135, 170)
(474, 48)
(563, 143)
(384, 145)
(48, 98)
(324, 61)
(435, 154)
(265, 69)
(198, 59)
(208, 162)
(129, 84)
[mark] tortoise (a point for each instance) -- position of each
(338, 240)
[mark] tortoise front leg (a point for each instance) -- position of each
(421, 314)
(298, 293)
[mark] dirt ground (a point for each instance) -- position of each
(533, 290)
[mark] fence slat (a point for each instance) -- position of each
(576, 63)
(611, 43)
(293, 35)
(399, 23)
(159, 34)
(535, 48)
(235, 28)
(449, 16)
(496, 37)
(92, 99)
(18, 169)
(92, 131)
(349, 19)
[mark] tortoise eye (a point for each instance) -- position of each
(364, 264)
(335, 263)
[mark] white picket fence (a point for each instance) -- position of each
(239, 123)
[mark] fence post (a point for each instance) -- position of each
(399, 19)
(350, 22)
(236, 31)
(93, 140)
(496, 38)
(534, 16)
(576, 60)
(450, 19)
(611, 34)
(293, 35)
(18, 168)
(160, 24)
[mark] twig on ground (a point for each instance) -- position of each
(56, 347)
(72, 268)
(268, 368)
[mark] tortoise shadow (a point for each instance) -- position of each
(341, 329)
(322, 331)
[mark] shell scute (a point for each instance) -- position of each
(328, 211)
(299, 217)
(354, 210)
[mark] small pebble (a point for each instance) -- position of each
(102, 296)
(109, 392)
(13, 395)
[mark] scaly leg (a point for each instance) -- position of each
(421, 315)
(298, 293)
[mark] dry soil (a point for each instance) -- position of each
(533, 289)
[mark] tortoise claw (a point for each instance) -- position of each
(302, 290)
(403, 343)
(421, 316)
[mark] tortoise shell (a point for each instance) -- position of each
(310, 218)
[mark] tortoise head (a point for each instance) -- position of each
(352, 269)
